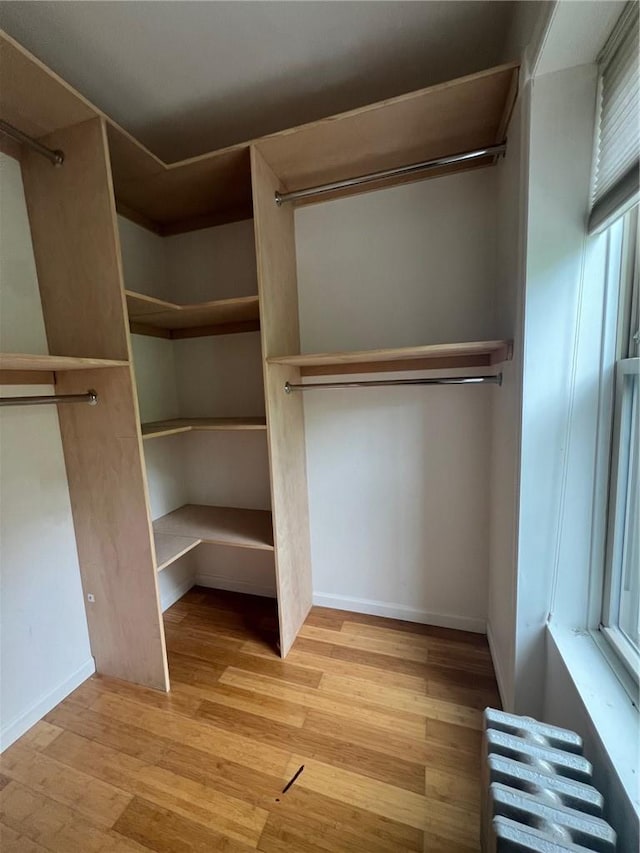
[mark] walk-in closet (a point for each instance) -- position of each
(231, 313)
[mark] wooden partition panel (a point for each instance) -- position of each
(277, 288)
(71, 212)
(104, 465)
(73, 226)
(106, 483)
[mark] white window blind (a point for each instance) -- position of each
(616, 172)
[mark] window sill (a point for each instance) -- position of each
(613, 716)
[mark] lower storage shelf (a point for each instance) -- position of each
(171, 548)
(181, 530)
(176, 425)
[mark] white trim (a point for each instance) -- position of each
(234, 585)
(399, 611)
(497, 668)
(614, 719)
(22, 723)
(175, 594)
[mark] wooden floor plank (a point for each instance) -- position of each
(13, 842)
(384, 715)
(323, 747)
(402, 700)
(57, 827)
(165, 831)
(325, 813)
(386, 718)
(208, 738)
(328, 663)
(193, 800)
(100, 802)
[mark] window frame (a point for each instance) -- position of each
(624, 363)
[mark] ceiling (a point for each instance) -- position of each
(188, 77)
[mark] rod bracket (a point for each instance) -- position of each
(287, 388)
(278, 198)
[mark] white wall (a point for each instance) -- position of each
(44, 642)
(512, 173)
(214, 263)
(220, 376)
(563, 321)
(399, 478)
(412, 264)
(144, 260)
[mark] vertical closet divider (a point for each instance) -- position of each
(277, 287)
(72, 219)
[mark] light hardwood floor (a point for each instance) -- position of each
(384, 716)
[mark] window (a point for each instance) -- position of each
(620, 619)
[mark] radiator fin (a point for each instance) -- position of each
(536, 790)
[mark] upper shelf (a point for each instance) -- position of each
(471, 354)
(449, 118)
(151, 316)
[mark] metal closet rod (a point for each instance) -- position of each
(56, 157)
(91, 397)
(424, 166)
(378, 383)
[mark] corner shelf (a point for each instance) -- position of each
(431, 357)
(213, 525)
(177, 425)
(171, 548)
(156, 317)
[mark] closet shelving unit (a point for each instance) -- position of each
(72, 215)
(188, 526)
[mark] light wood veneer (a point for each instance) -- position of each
(156, 429)
(152, 316)
(219, 525)
(26, 362)
(277, 286)
(433, 356)
(170, 548)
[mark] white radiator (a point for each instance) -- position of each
(536, 790)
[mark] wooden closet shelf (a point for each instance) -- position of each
(24, 361)
(219, 525)
(151, 316)
(176, 425)
(431, 357)
(449, 118)
(170, 548)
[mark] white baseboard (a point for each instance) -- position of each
(399, 611)
(22, 723)
(497, 668)
(235, 585)
(175, 594)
